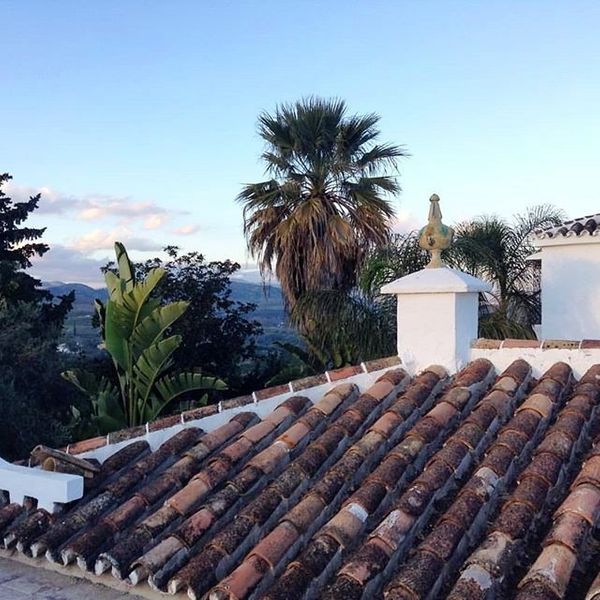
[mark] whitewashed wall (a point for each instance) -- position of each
(540, 359)
(570, 288)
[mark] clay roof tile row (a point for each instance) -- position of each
(331, 499)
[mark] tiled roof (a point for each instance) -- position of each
(295, 386)
(584, 226)
(431, 486)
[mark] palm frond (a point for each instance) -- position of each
(328, 200)
(349, 328)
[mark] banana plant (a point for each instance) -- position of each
(135, 332)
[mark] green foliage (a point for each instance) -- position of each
(498, 252)
(217, 332)
(136, 331)
(34, 400)
(344, 328)
(327, 201)
(18, 245)
(297, 362)
(487, 247)
(400, 257)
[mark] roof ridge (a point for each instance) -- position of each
(195, 414)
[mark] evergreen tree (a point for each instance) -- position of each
(18, 245)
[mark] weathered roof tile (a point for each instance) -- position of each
(323, 500)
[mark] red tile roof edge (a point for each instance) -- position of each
(579, 227)
(297, 385)
(488, 344)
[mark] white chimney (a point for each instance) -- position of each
(438, 307)
(437, 316)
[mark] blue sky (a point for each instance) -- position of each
(137, 119)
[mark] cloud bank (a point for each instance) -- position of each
(89, 225)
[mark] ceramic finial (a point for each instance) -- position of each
(435, 236)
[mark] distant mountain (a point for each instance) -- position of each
(83, 293)
(79, 332)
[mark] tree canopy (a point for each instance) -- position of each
(218, 333)
(136, 331)
(498, 251)
(34, 401)
(328, 199)
(18, 245)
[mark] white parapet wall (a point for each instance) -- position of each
(47, 487)
(570, 287)
(262, 408)
(51, 489)
(540, 359)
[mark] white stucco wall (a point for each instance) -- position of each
(570, 288)
(540, 359)
(437, 317)
(436, 328)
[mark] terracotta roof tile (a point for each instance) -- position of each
(560, 344)
(382, 363)
(308, 382)
(165, 422)
(272, 391)
(589, 344)
(582, 226)
(343, 373)
(510, 343)
(331, 500)
(199, 413)
(487, 344)
(127, 434)
(87, 445)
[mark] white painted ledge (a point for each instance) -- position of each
(540, 359)
(432, 281)
(47, 487)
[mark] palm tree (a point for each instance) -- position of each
(402, 256)
(346, 327)
(498, 251)
(327, 202)
(488, 247)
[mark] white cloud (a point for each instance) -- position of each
(98, 207)
(155, 221)
(91, 207)
(186, 229)
(51, 201)
(404, 222)
(71, 266)
(101, 239)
